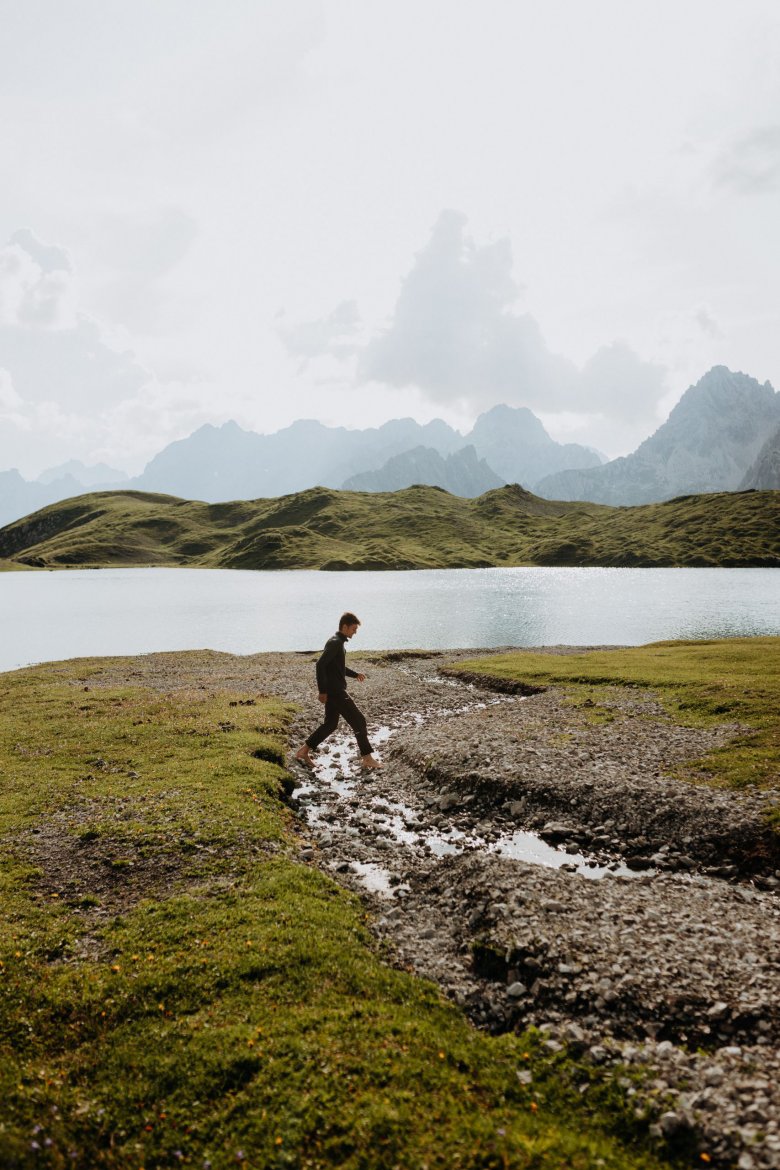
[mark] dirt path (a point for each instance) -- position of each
(544, 870)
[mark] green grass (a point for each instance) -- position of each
(177, 989)
(10, 566)
(417, 528)
(729, 680)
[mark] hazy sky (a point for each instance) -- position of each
(355, 210)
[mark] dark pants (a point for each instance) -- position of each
(336, 706)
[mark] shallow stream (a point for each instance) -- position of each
(335, 797)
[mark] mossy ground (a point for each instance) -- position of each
(417, 528)
(726, 680)
(177, 988)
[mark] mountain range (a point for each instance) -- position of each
(723, 435)
(223, 463)
(711, 442)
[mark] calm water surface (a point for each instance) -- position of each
(50, 616)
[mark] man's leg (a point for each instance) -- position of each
(328, 726)
(357, 721)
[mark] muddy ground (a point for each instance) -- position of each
(547, 870)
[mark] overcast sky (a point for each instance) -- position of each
(356, 210)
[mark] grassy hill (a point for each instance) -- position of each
(417, 528)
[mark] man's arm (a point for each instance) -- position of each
(322, 668)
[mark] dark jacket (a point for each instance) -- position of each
(332, 669)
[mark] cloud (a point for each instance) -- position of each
(49, 257)
(52, 352)
(751, 166)
(456, 334)
(31, 294)
(10, 401)
(333, 335)
(707, 323)
(618, 383)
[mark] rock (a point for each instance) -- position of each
(516, 990)
(554, 831)
(639, 863)
(674, 1125)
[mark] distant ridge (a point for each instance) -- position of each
(708, 443)
(462, 473)
(417, 528)
(765, 472)
(228, 463)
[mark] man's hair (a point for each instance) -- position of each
(348, 619)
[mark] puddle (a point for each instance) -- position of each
(524, 846)
(373, 877)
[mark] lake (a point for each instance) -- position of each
(47, 616)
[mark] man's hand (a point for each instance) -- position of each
(361, 678)
(323, 698)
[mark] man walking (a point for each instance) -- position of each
(332, 674)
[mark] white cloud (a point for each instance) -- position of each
(618, 384)
(9, 399)
(31, 295)
(707, 322)
(53, 352)
(333, 335)
(66, 387)
(456, 334)
(49, 257)
(751, 164)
